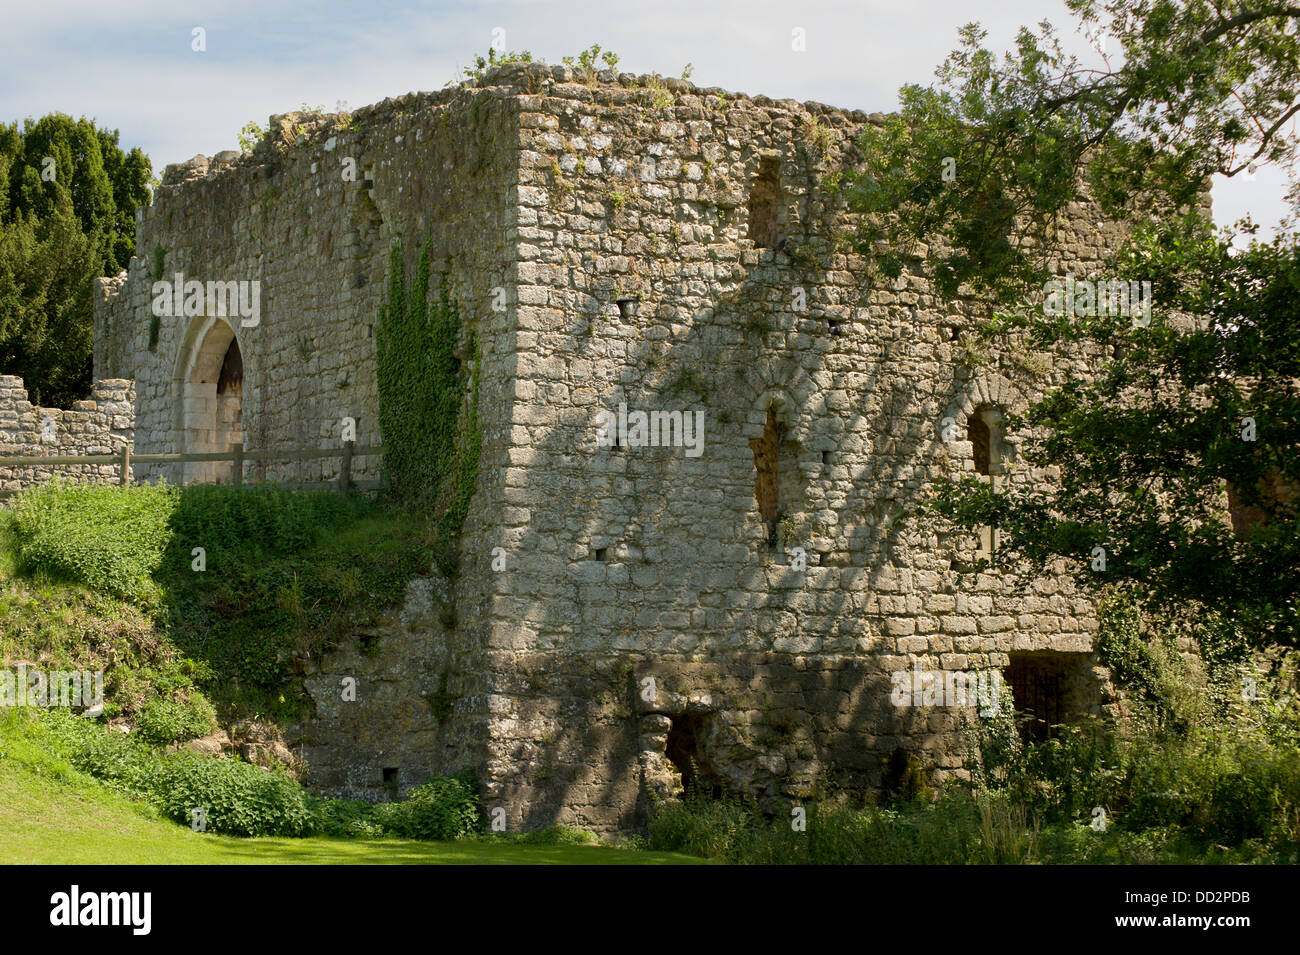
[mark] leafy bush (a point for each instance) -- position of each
(115, 539)
(164, 719)
(120, 761)
(237, 798)
(107, 537)
(445, 807)
(346, 818)
(234, 523)
(956, 828)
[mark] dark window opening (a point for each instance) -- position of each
(767, 451)
(765, 202)
(683, 751)
(977, 433)
(600, 553)
(904, 777)
(1048, 688)
(231, 376)
(826, 459)
(390, 780)
(1274, 499)
(834, 326)
(954, 333)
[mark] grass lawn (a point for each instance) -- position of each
(65, 817)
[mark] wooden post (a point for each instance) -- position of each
(345, 469)
(237, 477)
(124, 476)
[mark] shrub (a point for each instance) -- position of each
(346, 818)
(232, 522)
(237, 798)
(119, 761)
(109, 538)
(445, 807)
(164, 719)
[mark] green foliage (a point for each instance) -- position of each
(1188, 755)
(431, 435)
(586, 60)
(255, 607)
(992, 155)
(957, 828)
(159, 261)
(286, 572)
(445, 807)
(170, 720)
(237, 798)
(115, 539)
(1147, 445)
(68, 198)
(484, 65)
(255, 521)
(241, 799)
(346, 818)
(250, 136)
(107, 537)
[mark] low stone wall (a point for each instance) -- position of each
(100, 425)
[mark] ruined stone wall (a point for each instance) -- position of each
(623, 613)
(113, 329)
(437, 166)
(310, 215)
(645, 618)
(100, 425)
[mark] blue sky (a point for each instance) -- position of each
(131, 66)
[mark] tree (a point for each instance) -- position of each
(68, 200)
(46, 267)
(1191, 414)
(1203, 87)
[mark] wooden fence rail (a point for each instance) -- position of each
(236, 455)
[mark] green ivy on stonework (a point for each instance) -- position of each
(431, 435)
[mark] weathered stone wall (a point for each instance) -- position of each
(390, 707)
(113, 330)
(100, 425)
(439, 167)
(624, 613)
(310, 215)
(626, 564)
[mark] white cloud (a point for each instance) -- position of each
(134, 71)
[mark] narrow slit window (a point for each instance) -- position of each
(765, 203)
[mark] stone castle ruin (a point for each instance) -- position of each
(701, 421)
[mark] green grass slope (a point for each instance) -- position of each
(52, 814)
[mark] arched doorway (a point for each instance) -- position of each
(212, 401)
